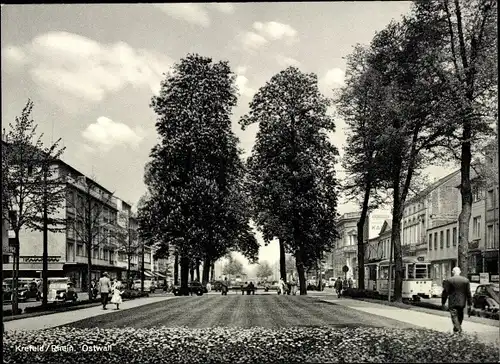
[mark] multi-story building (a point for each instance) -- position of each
(346, 247)
(67, 250)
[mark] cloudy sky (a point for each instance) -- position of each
(91, 70)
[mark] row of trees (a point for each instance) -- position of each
(201, 195)
(424, 91)
(35, 192)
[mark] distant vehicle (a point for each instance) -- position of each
(486, 298)
(331, 282)
(61, 289)
(194, 287)
(26, 287)
(149, 285)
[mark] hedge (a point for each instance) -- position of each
(234, 345)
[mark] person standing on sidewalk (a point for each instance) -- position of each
(104, 289)
(457, 291)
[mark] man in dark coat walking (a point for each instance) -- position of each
(457, 291)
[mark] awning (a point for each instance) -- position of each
(148, 274)
(160, 275)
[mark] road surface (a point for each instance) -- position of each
(271, 311)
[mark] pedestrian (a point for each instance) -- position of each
(338, 287)
(294, 286)
(281, 286)
(117, 294)
(104, 289)
(350, 282)
(457, 291)
(209, 287)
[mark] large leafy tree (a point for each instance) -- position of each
(359, 103)
(32, 189)
(195, 167)
(264, 270)
(233, 267)
(469, 39)
(291, 173)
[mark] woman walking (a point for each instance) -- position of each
(117, 294)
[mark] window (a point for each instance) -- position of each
(70, 229)
(95, 253)
(447, 238)
(455, 237)
(489, 237)
(476, 226)
(477, 194)
(441, 239)
(79, 250)
(105, 254)
(435, 241)
(421, 271)
(411, 271)
(70, 252)
(430, 241)
(489, 199)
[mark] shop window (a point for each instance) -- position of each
(489, 237)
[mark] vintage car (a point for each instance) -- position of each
(485, 299)
(61, 290)
(194, 287)
(149, 285)
(27, 288)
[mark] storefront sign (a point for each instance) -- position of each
(494, 278)
(474, 278)
(484, 278)
(38, 259)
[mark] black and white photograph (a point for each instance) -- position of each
(250, 182)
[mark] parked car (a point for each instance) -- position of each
(61, 290)
(194, 287)
(149, 285)
(486, 299)
(217, 286)
(27, 288)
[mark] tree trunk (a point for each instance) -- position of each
(396, 242)
(466, 193)
(129, 258)
(206, 270)
(45, 255)
(212, 271)
(176, 268)
(282, 260)
(15, 277)
(300, 272)
(142, 269)
(184, 263)
(191, 271)
(89, 269)
(361, 238)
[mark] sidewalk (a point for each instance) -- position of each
(486, 333)
(63, 318)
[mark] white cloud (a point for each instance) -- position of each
(334, 77)
(106, 133)
(225, 8)
(253, 40)
(265, 32)
(274, 30)
(192, 13)
(242, 82)
(82, 67)
(287, 61)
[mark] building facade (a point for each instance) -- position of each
(67, 250)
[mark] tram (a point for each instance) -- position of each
(416, 278)
(371, 270)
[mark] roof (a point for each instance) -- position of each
(433, 186)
